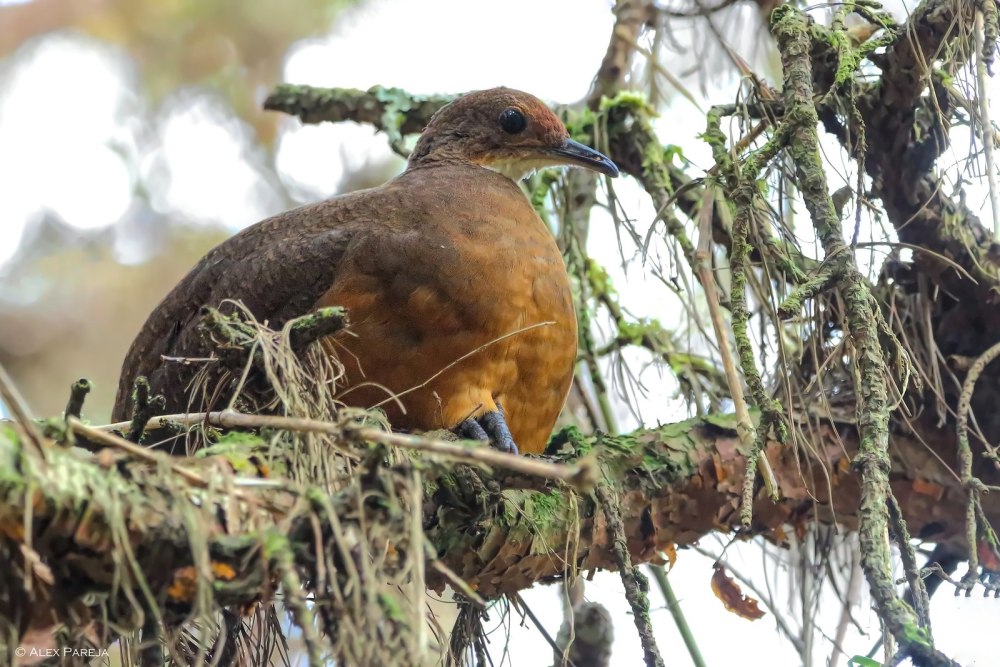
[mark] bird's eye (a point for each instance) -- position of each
(512, 121)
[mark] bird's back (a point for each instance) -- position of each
(277, 268)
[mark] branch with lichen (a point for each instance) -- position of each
(255, 526)
(741, 177)
(979, 531)
(905, 131)
(791, 28)
(390, 110)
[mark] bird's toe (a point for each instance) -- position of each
(471, 429)
(496, 427)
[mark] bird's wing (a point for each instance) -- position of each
(277, 268)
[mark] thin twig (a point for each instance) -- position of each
(674, 607)
(984, 121)
(580, 476)
(539, 626)
(744, 423)
(634, 582)
(19, 409)
(101, 435)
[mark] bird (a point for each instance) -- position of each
(458, 297)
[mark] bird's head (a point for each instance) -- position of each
(504, 130)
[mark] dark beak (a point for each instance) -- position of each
(576, 153)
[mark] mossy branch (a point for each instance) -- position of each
(741, 180)
(257, 528)
(791, 28)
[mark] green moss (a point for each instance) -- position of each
(545, 510)
(390, 606)
(573, 438)
(635, 332)
(276, 545)
(630, 101)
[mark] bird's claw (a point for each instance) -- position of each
(491, 427)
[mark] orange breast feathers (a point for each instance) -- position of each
(460, 311)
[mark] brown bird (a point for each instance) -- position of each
(454, 286)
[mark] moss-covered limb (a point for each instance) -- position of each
(391, 110)
(77, 395)
(741, 179)
(635, 583)
(116, 536)
(918, 593)
(976, 533)
(791, 28)
(906, 131)
(145, 406)
(815, 284)
(303, 331)
(676, 484)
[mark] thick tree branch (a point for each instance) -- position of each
(906, 130)
(675, 484)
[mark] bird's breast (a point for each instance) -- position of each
(459, 301)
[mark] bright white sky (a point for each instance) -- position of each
(68, 136)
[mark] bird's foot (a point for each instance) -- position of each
(491, 427)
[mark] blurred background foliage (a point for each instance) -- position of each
(105, 204)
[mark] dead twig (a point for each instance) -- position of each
(581, 476)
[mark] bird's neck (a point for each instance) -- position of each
(514, 169)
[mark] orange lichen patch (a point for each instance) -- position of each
(263, 469)
(185, 584)
(90, 536)
(223, 571)
(671, 553)
(732, 595)
(720, 470)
